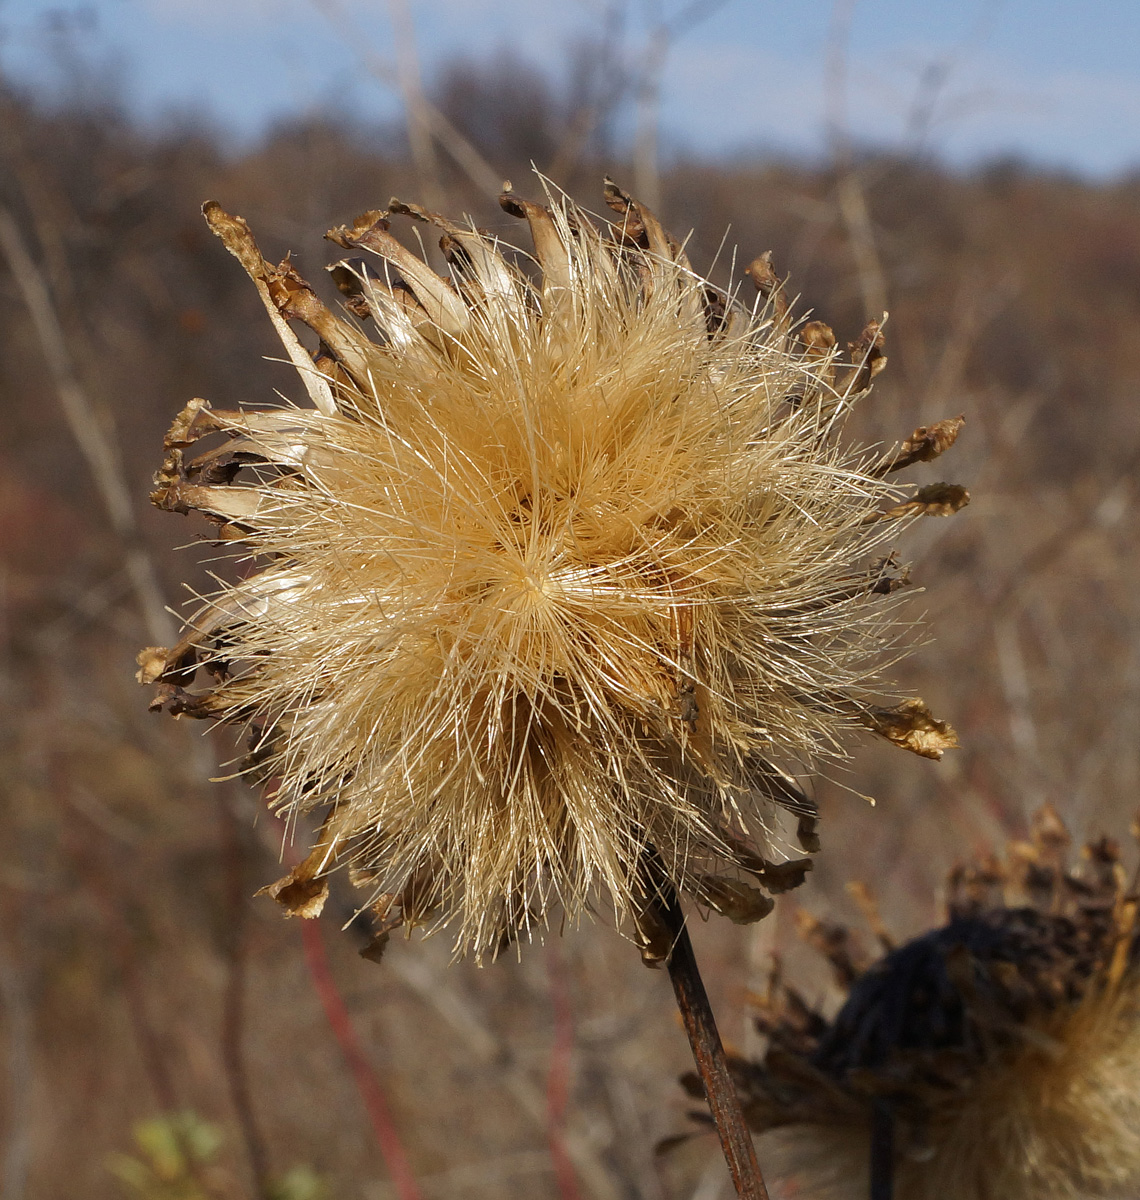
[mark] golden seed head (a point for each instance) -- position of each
(565, 571)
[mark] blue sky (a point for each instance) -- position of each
(1055, 82)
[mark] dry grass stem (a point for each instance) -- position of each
(89, 428)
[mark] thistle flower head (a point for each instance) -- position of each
(1003, 1046)
(563, 572)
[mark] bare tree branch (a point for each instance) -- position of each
(850, 195)
(419, 975)
(93, 430)
(663, 34)
(411, 89)
(465, 155)
(16, 1006)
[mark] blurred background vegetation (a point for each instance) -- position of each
(162, 1033)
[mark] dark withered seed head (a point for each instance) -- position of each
(1004, 1044)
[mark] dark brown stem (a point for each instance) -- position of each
(233, 1001)
(882, 1151)
(708, 1052)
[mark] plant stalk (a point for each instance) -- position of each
(708, 1053)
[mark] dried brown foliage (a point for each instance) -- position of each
(1015, 300)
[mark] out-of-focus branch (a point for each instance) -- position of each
(936, 75)
(487, 1048)
(975, 306)
(861, 237)
(233, 999)
(466, 157)
(1014, 676)
(646, 168)
(474, 165)
(710, 1185)
(48, 209)
(16, 1006)
(558, 1077)
(366, 1081)
(607, 82)
(850, 196)
(477, 1177)
(663, 34)
(1043, 557)
(105, 890)
(92, 430)
(411, 89)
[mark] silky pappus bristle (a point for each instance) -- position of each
(562, 569)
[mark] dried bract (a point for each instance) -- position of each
(558, 571)
(1003, 1046)
(924, 445)
(912, 726)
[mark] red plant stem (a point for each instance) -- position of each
(558, 1078)
(367, 1083)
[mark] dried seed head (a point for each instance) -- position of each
(1005, 1044)
(558, 573)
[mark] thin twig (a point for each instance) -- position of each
(411, 90)
(558, 1077)
(604, 81)
(105, 891)
(233, 1000)
(91, 424)
(662, 35)
(418, 974)
(465, 155)
(367, 1083)
(646, 168)
(15, 1004)
(48, 208)
(1044, 556)
(434, 988)
(708, 1052)
(89, 428)
(850, 194)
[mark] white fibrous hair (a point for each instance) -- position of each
(556, 584)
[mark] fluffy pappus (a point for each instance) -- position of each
(555, 584)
